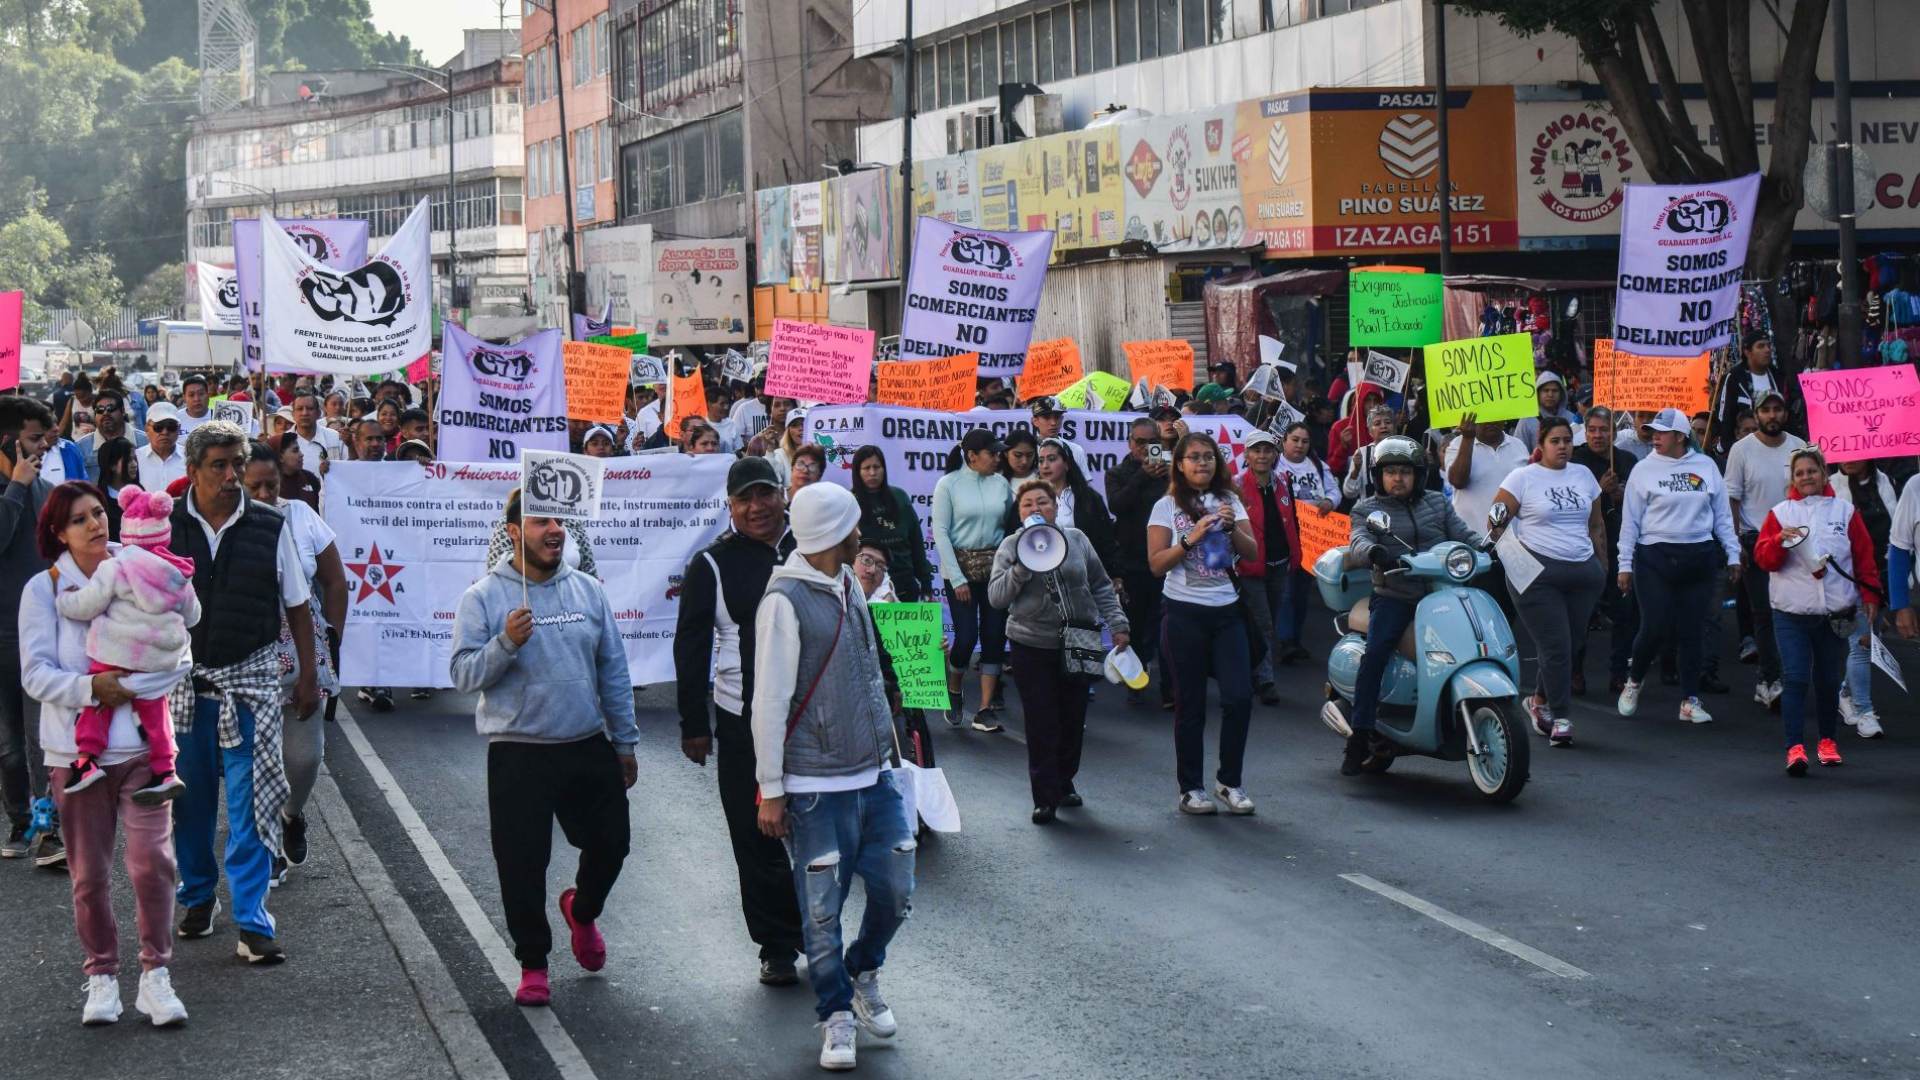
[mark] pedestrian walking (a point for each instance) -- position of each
(713, 678)
(1554, 511)
(1757, 480)
(1825, 581)
(1871, 494)
(1263, 580)
(1053, 622)
(1676, 542)
(1309, 483)
(887, 518)
(1076, 504)
(1612, 468)
(1195, 532)
(1133, 486)
(826, 752)
(969, 509)
(26, 435)
(60, 674)
(537, 641)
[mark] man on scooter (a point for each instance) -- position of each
(1420, 519)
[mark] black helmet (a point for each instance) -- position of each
(1399, 450)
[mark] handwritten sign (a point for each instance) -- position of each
(1052, 366)
(1320, 531)
(686, 398)
(1490, 377)
(1161, 363)
(12, 305)
(1862, 413)
(945, 384)
(810, 362)
(596, 381)
(912, 634)
(1099, 391)
(1393, 309)
(1384, 370)
(1625, 382)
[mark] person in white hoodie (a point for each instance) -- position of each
(825, 753)
(1676, 538)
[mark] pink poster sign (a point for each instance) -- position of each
(826, 364)
(419, 370)
(1861, 413)
(11, 306)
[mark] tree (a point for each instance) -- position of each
(1621, 41)
(36, 258)
(162, 292)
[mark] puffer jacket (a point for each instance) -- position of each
(1801, 583)
(1419, 523)
(138, 607)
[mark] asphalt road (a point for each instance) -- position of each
(1716, 918)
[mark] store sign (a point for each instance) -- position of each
(944, 188)
(699, 292)
(1271, 150)
(1182, 184)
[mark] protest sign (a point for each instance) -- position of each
(686, 399)
(596, 381)
(219, 289)
(586, 327)
(1320, 531)
(561, 485)
(1052, 366)
(1393, 309)
(496, 400)
(1385, 371)
(12, 309)
(811, 362)
(913, 634)
(1099, 391)
(1161, 363)
(945, 384)
(646, 370)
(1490, 377)
(974, 291)
(1627, 383)
(1861, 413)
(1271, 351)
(629, 342)
(737, 367)
(414, 536)
(369, 320)
(338, 242)
(1683, 251)
(420, 370)
(1884, 659)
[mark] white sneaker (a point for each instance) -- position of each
(1766, 693)
(870, 1008)
(157, 1001)
(1629, 698)
(1692, 712)
(1868, 722)
(1235, 798)
(1197, 802)
(103, 1000)
(1848, 714)
(837, 1042)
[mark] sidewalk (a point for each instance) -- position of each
(342, 1006)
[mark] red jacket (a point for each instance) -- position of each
(1256, 567)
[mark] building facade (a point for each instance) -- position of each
(568, 51)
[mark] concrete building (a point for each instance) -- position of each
(371, 144)
(568, 49)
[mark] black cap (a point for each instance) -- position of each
(981, 439)
(1044, 406)
(1164, 411)
(749, 471)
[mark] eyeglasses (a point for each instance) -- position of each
(100, 406)
(874, 561)
(165, 425)
(1138, 442)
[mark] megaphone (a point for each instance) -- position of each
(1041, 548)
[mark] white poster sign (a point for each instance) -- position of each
(1884, 659)
(974, 291)
(618, 262)
(219, 297)
(497, 400)
(700, 292)
(1383, 370)
(371, 320)
(413, 537)
(561, 485)
(338, 242)
(1683, 251)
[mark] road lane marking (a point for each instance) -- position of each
(566, 1055)
(1470, 928)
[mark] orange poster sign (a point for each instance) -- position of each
(1162, 363)
(1052, 366)
(946, 384)
(1627, 382)
(1320, 531)
(688, 396)
(596, 381)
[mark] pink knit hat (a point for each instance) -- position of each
(145, 518)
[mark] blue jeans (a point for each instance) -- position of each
(833, 837)
(1387, 622)
(1860, 667)
(202, 765)
(1197, 641)
(1293, 619)
(1266, 603)
(1810, 654)
(977, 621)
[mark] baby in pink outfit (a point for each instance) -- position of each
(138, 606)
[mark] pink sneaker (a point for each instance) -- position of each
(588, 946)
(533, 988)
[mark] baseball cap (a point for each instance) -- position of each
(748, 472)
(1672, 420)
(981, 439)
(1769, 395)
(284, 413)
(1212, 392)
(1260, 438)
(162, 412)
(1164, 411)
(1044, 406)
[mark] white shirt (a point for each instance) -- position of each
(1192, 580)
(311, 450)
(1063, 508)
(1308, 481)
(748, 414)
(311, 534)
(188, 423)
(1679, 500)
(53, 465)
(1905, 532)
(647, 422)
(1757, 476)
(1556, 505)
(1491, 464)
(294, 590)
(157, 472)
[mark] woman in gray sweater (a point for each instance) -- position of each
(1039, 607)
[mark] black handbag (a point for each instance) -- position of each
(1082, 650)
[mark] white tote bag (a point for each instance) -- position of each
(927, 791)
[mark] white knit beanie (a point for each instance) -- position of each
(822, 515)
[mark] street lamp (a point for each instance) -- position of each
(413, 71)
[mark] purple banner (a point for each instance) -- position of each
(974, 291)
(341, 243)
(1683, 251)
(496, 400)
(585, 327)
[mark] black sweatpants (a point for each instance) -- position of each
(529, 785)
(767, 898)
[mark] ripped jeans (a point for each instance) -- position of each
(833, 837)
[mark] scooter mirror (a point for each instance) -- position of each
(1497, 516)
(1379, 523)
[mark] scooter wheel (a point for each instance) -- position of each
(1501, 771)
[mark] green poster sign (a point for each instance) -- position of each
(1490, 377)
(1393, 309)
(631, 342)
(912, 634)
(1098, 390)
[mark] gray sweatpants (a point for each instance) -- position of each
(1555, 609)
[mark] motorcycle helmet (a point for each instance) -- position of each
(1398, 450)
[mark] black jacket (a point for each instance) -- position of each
(1131, 494)
(1596, 463)
(745, 566)
(1736, 393)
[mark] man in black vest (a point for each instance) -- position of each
(713, 663)
(246, 571)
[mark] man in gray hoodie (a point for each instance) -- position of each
(537, 641)
(825, 751)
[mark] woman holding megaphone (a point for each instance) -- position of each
(1056, 594)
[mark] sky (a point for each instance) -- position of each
(435, 25)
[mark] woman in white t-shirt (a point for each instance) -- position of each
(1555, 514)
(1194, 535)
(1308, 478)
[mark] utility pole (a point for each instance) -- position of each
(1440, 124)
(566, 148)
(453, 233)
(906, 160)
(1843, 207)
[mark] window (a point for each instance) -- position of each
(602, 49)
(630, 180)
(1062, 44)
(730, 154)
(606, 149)
(1194, 23)
(1009, 69)
(702, 160)
(1102, 36)
(1023, 50)
(952, 88)
(586, 161)
(1082, 36)
(989, 43)
(1217, 29)
(658, 163)
(685, 46)
(533, 186)
(1126, 31)
(510, 212)
(976, 75)
(1169, 13)
(581, 47)
(1043, 55)
(213, 229)
(692, 153)
(626, 88)
(926, 73)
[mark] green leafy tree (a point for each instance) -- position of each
(162, 292)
